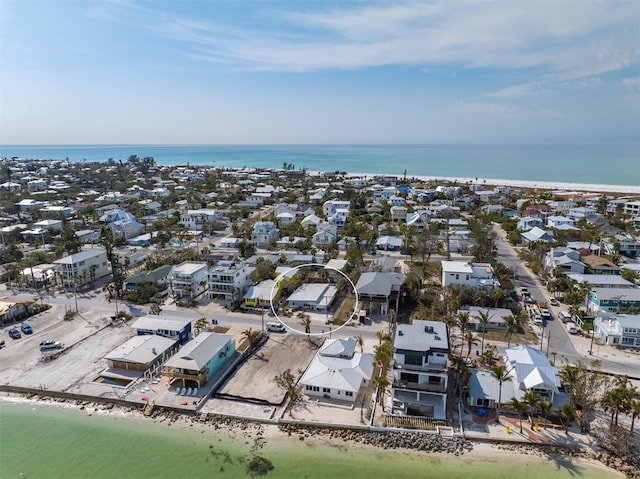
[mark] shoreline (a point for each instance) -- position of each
(527, 184)
(284, 435)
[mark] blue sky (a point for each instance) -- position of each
(242, 72)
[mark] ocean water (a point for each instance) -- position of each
(590, 163)
(38, 441)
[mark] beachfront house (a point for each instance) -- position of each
(337, 371)
(621, 330)
(197, 361)
(529, 371)
(419, 387)
(142, 353)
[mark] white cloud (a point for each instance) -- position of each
(566, 38)
(631, 84)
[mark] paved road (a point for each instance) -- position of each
(557, 342)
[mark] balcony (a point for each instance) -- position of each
(426, 368)
(428, 387)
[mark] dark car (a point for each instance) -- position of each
(26, 329)
(14, 334)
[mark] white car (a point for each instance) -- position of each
(553, 302)
(276, 327)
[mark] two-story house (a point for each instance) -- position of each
(264, 233)
(620, 330)
(609, 301)
(470, 274)
(194, 220)
(420, 352)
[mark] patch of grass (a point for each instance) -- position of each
(345, 311)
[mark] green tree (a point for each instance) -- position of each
(155, 309)
(288, 382)
(483, 317)
(252, 336)
(502, 375)
(511, 325)
(520, 408)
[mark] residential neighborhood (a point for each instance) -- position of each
(406, 303)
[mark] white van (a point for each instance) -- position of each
(564, 316)
(276, 327)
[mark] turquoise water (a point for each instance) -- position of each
(594, 163)
(48, 442)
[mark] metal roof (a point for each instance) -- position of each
(196, 354)
(141, 349)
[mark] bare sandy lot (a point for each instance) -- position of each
(254, 378)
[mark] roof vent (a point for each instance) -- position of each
(428, 329)
(400, 333)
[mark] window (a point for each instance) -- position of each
(326, 390)
(457, 276)
(413, 359)
(435, 380)
(316, 388)
(410, 377)
(348, 393)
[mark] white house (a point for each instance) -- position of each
(566, 258)
(620, 330)
(558, 221)
(313, 296)
(419, 387)
(470, 274)
(398, 213)
(83, 267)
(188, 279)
(194, 220)
(337, 371)
(264, 233)
(528, 222)
(330, 207)
(228, 279)
(537, 234)
(529, 371)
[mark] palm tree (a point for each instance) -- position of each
(155, 309)
(520, 407)
(382, 336)
(470, 339)
(383, 355)
(501, 374)
(463, 324)
(460, 369)
(483, 317)
(382, 383)
(567, 414)
(306, 322)
(251, 336)
(201, 324)
(634, 410)
(360, 342)
(511, 325)
(545, 407)
(531, 399)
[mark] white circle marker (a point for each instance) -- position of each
(295, 268)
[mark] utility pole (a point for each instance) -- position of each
(548, 342)
(262, 318)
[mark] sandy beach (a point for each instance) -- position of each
(545, 185)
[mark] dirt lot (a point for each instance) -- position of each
(254, 378)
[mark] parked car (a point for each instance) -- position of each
(49, 344)
(546, 314)
(553, 302)
(276, 327)
(26, 328)
(537, 319)
(14, 334)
